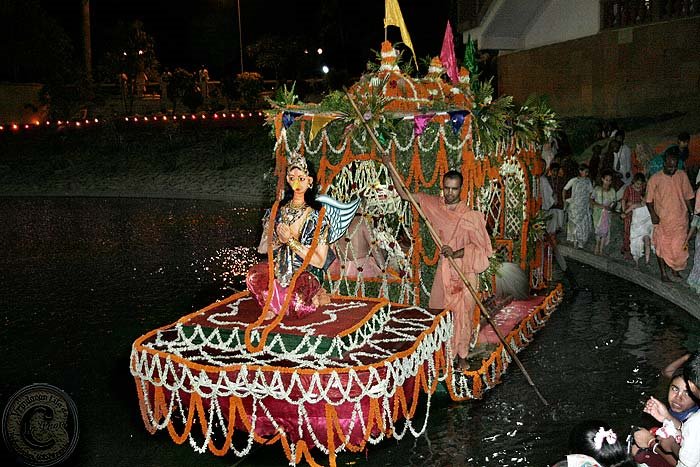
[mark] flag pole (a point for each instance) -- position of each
(439, 244)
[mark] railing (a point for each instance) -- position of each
(626, 13)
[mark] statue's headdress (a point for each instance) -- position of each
(298, 161)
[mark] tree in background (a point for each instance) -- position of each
(33, 47)
(130, 51)
(182, 86)
(210, 37)
(275, 56)
(250, 85)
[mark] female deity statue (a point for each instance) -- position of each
(294, 228)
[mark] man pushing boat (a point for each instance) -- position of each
(467, 242)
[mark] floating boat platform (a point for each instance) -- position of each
(352, 373)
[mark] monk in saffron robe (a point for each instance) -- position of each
(669, 196)
(466, 240)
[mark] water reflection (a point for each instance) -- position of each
(83, 278)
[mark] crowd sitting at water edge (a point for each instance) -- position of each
(651, 196)
(671, 439)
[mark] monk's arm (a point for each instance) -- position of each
(652, 213)
(449, 253)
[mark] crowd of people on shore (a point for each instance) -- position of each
(657, 205)
(670, 438)
(651, 195)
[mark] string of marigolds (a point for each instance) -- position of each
(36, 125)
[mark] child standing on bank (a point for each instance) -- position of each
(634, 196)
(635, 209)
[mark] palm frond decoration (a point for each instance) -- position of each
(491, 122)
(373, 65)
(406, 67)
(371, 101)
(499, 121)
(534, 122)
(486, 277)
(537, 231)
(284, 97)
(337, 102)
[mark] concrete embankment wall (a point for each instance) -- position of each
(676, 293)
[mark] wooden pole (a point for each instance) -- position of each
(240, 33)
(440, 244)
(87, 47)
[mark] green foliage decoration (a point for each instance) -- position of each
(284, 97)
(491, 117)
(337, 102)
(536, 232)
(485, 278)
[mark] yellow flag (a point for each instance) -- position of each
(318, 122)
(393, 17)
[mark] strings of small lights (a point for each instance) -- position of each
(36, 125)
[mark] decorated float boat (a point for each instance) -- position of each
(363, 367)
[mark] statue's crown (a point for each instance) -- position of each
(298, 161)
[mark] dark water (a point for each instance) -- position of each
(81, 279)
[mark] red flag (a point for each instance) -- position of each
(447, 54)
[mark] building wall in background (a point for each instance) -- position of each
(644, 70)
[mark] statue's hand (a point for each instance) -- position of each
(284, 233)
